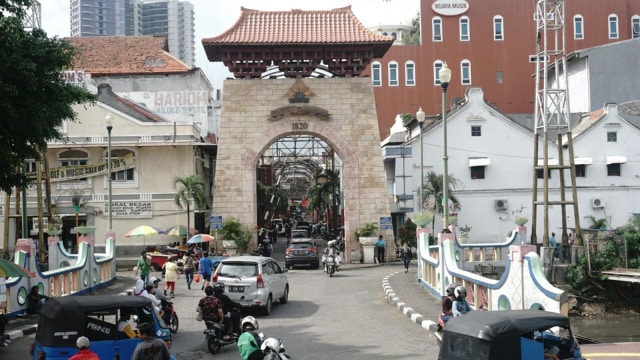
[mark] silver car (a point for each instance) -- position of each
(253, 281)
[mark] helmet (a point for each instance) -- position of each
(450, 289)
(332, 243)
(460, 292)
(218, 288)
(270, 343)
(154, 281)
(249, 321)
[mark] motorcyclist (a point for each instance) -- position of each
(332, 251)
(230, 308)
(249, 342)
(460, 305)
(165, 311)
(447, 303)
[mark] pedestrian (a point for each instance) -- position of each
(406, 256)
(170, 276)
(150, 348)
(205, 267)
(35, 300)
(188, 269)
(380, 245)
(553, 243)
(84, 353)
(144, 267)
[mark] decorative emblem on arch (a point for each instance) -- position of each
(299, 93)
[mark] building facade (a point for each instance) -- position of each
(172, 19)
(487, 44)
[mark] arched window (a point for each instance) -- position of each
(613, 26)
(393, 73)
(394, 35)
(635, 26)
(376, 74)
(578, 27)
(121, 177)
(498, 28)
(465, 71)
(74, 157)
(410, 73)
(465, 34)
(436, 28)
(437, 65)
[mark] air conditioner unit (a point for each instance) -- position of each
(597, 203)
(501, 205)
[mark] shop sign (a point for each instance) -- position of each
(130, 209)
(450, 7)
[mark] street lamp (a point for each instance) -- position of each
(109, 121)
(445, 76)
(420, 115)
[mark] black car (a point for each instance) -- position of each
(302, 252)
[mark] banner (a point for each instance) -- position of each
(66, 173)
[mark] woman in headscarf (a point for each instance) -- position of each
(139, 288)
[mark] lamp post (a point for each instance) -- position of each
(109, 121)
(444, 77)
(420, 115)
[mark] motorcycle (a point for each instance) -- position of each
(214, 334)
(169, 315)
(330, 265)
(273, 349)
(259, 251)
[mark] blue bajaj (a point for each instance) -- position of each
(62, 320)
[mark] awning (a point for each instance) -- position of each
(616, 159)
(583, 161)
(551, 162)
(479, 162)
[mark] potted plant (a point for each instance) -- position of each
(521, 220)
(464, 233)
(366, 232)
(422, 219)
(453, 220)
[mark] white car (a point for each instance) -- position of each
(253, 281)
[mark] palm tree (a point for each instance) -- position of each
(320, 194)
(433, 193)
(190, 187)
(264, 193)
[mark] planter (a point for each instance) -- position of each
(463, 239)
(368, 240)
(85, 230)
(355, 256)
(230, 246)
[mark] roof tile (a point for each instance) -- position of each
(109, 55)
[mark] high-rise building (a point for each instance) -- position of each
(172, 19)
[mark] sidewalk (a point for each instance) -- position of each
(401, 289)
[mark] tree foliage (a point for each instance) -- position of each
(319, 195)
(34, 98)
(407, 233)
(433, 193)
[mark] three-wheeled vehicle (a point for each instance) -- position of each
(63, 319)
(509, 334)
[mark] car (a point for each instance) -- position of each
(299, 234)
(304, 225)
(253, 281)
(302, 252)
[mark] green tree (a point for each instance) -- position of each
(34, 99)
(407, 233)
(189, 188)
(433, 193)
(319, 195)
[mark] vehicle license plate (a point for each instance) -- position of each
(236, 289)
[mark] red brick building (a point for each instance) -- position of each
(487, 44)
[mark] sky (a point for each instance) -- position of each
(213, 17)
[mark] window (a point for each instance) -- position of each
(498, 28)
(437, 65)
(499, 77)
(581, 170)
(465, 70)
(476, 131)
(578, 28)
(477, 172)
(393, 73)
(464, 29)
(127, 175)
(540, 174)
(410, 73)
(436, 25)
(394, 36)
(74, 158)
(614, 169)
(613, 26)
(635, 26)
(376, 74)
(612, 136)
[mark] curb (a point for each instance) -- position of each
(21, 332)
(404, 308)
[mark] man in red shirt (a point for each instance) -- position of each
(84, 353)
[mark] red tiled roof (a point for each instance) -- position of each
(299, 27)
(109, 55)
